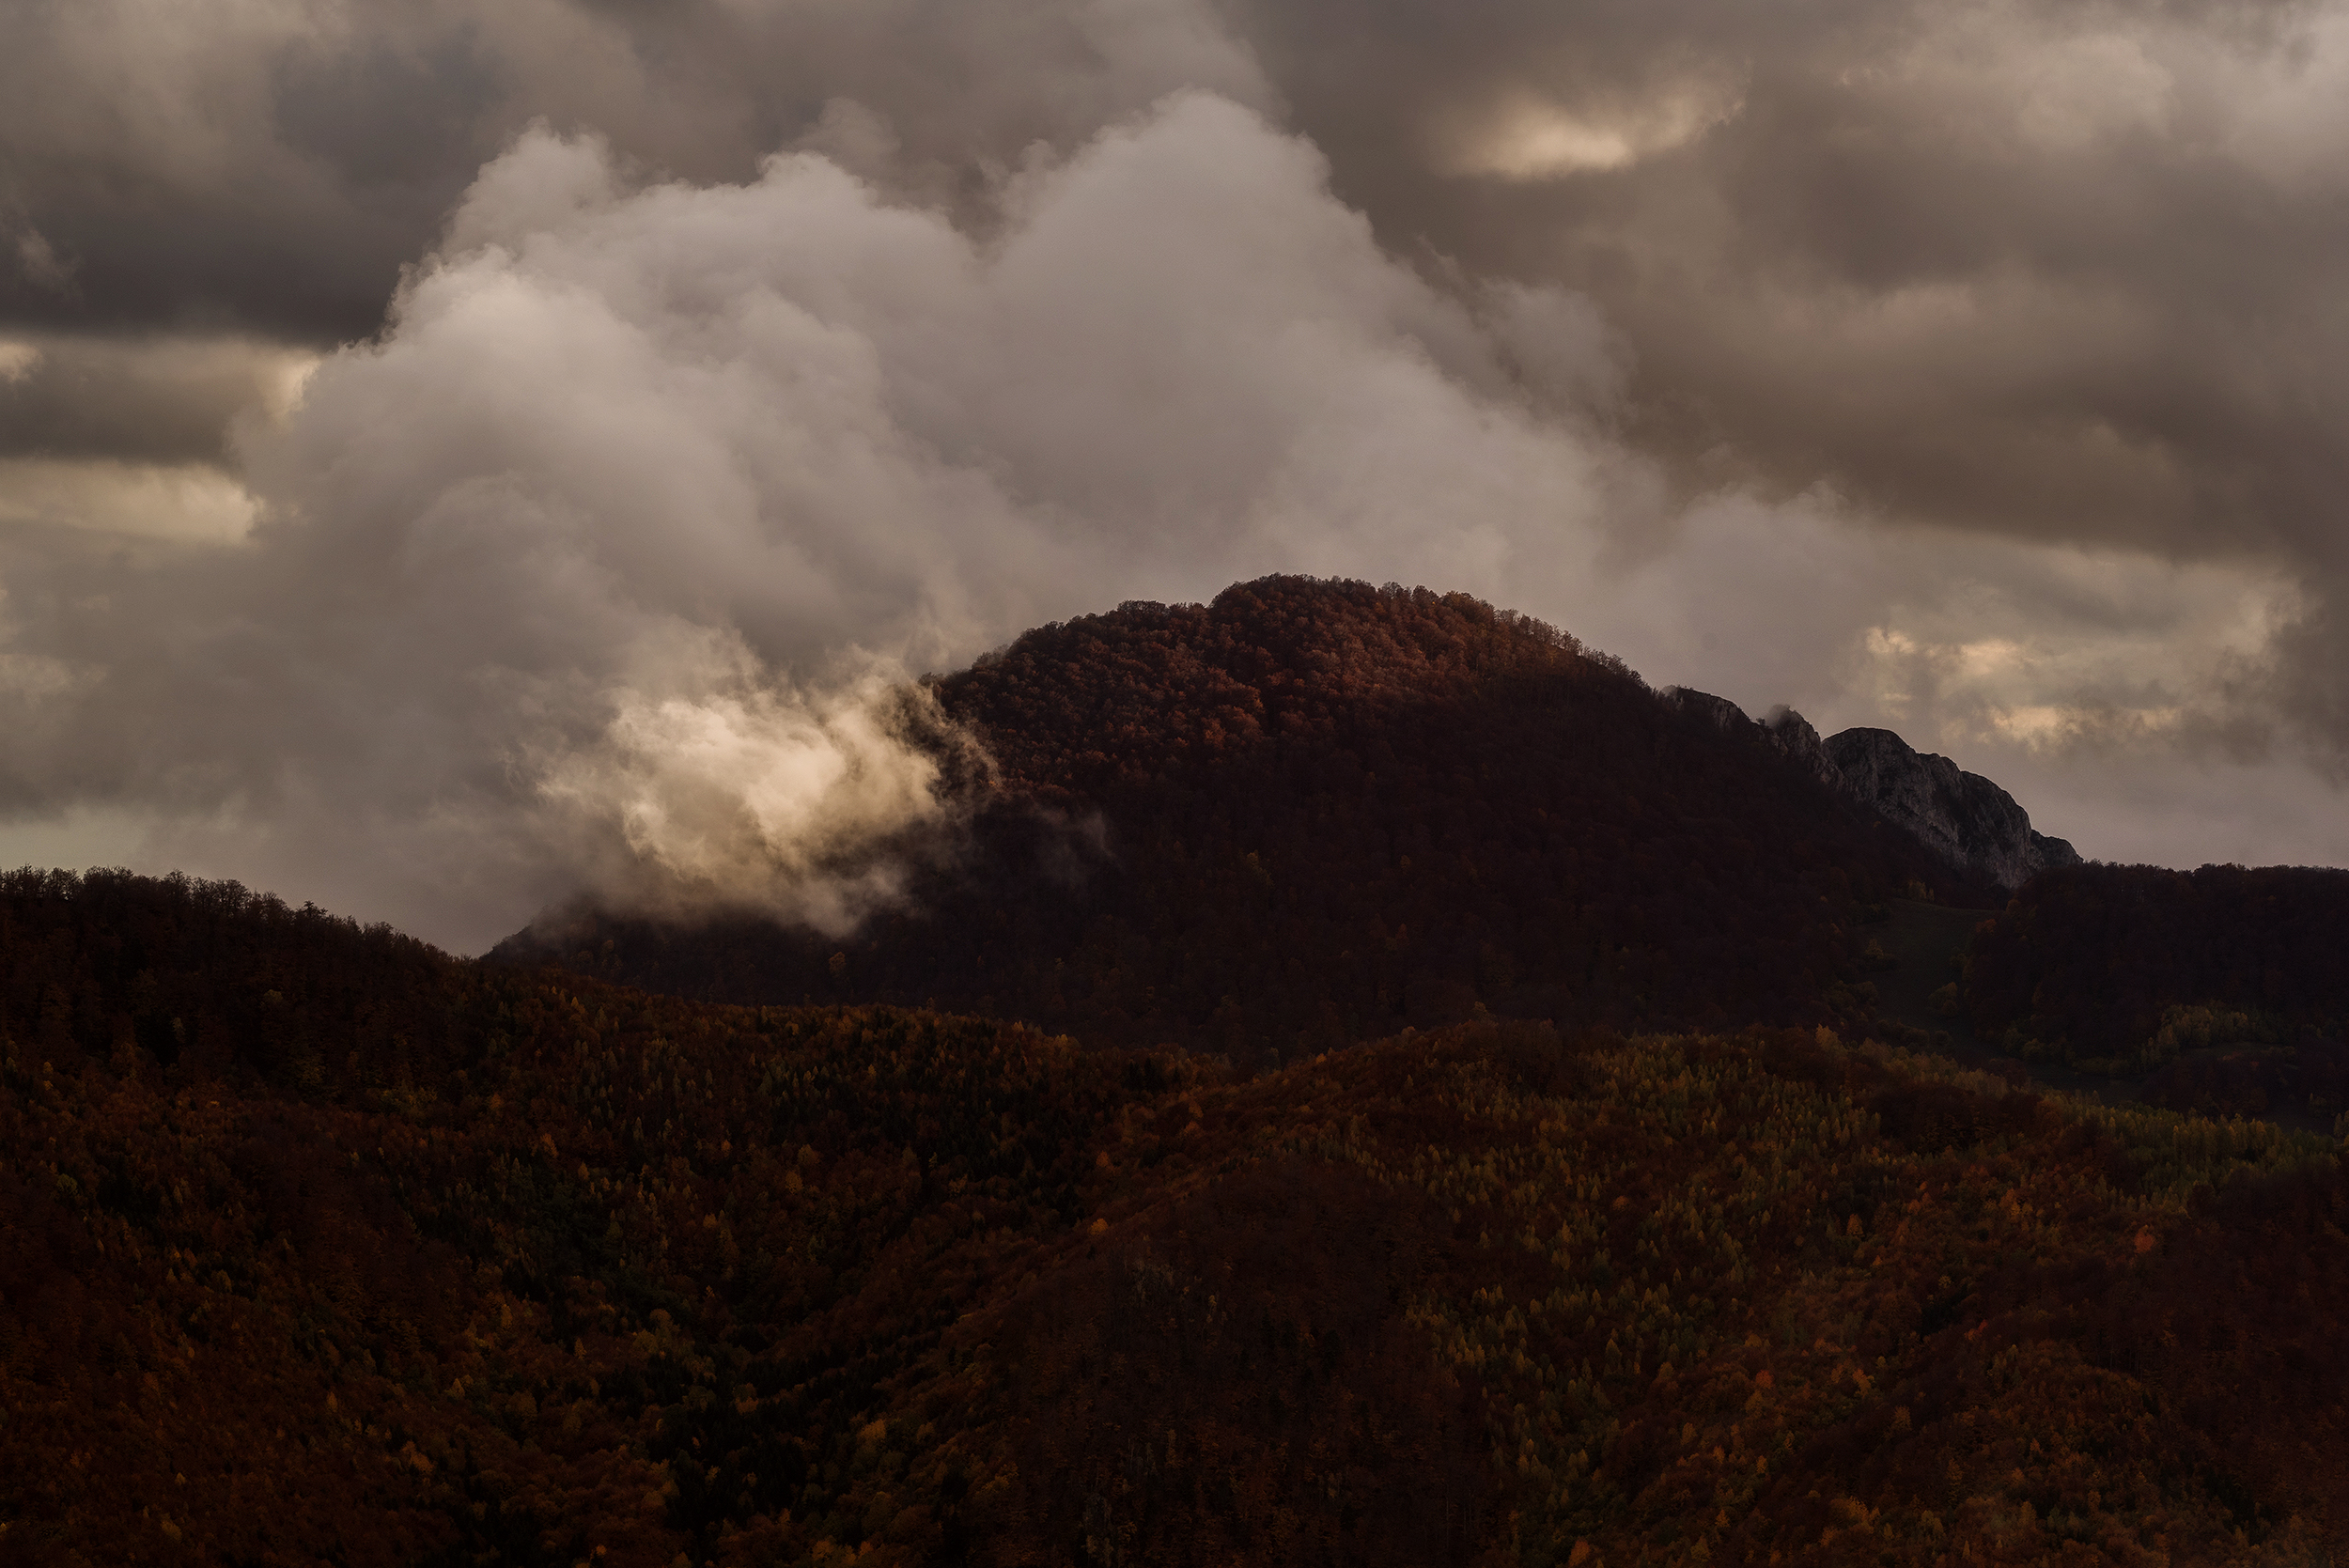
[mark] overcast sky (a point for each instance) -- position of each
(453, 453)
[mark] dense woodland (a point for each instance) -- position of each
(2230, 985)
(1314, 812)
(322, 1246)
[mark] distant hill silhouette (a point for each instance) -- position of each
(1315, 812)
(213, 979)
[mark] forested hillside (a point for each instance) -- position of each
(1610, 1237)
(1312, 812)
(2231, 984)
(373, 1256)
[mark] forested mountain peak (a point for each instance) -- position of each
(1311, 813)
(1152, 684)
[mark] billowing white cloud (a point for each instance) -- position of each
(596, 563)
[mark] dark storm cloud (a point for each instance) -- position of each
(2026, 267)
(2039, 268)
(271, 167)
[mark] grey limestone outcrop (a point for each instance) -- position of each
(1719, 713)
(1969, 820)
(1964, 817)
(1783, 728)
(1791, 733)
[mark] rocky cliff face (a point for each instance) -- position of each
(1783, 729)
(1791, 733)
(1963, 815)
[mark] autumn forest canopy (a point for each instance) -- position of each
(1357, 1077)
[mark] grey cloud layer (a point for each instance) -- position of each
(154, 399)
(2062, 271)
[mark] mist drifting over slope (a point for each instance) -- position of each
(457, 454)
